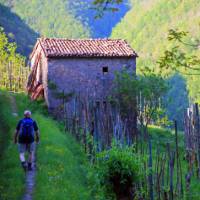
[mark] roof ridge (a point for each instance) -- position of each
(82, 39)
(89, 47)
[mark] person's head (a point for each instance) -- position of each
(27, 113)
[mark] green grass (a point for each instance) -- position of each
(161, 136)
(62, 165)
(11, 175)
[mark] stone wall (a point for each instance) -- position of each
(83, 76)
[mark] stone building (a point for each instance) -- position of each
(82, 66)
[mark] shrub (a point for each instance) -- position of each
(118, 171)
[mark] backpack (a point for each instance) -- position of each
(26, 131)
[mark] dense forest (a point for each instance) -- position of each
(146, 29)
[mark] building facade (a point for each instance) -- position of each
(84, 67)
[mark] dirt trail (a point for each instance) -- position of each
(30, 175)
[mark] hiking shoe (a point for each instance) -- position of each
(24, 166)
(30, 167)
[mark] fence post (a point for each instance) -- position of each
(171, 163)
(150, 176)
(177, 157)
(198, 138)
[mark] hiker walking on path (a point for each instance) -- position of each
(25, 135)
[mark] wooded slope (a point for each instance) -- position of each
(146, 28)
(25, 20)
(146, 25)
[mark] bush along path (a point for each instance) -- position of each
(30, 175)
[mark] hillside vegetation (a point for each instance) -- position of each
(29, 19)
(146, 27)
(24, 21)
(17, 30)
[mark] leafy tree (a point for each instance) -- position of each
(13, 73)
(149, 89)
(177, 59)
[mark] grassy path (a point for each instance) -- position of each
(61, 163)
(62, 166)
(30, 175)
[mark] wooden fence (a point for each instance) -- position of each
(99, 119)
(168, 171)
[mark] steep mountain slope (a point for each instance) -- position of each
(146, 27)
(46, 18)
(25, 20)
(17, 31)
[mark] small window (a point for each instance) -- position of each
(105, 70)
(97, 103)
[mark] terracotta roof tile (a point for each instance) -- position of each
(56, 47)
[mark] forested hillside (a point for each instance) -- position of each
(146, 25)
(46, 18)
(17, 30)
(146, 28)
(25, 20)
